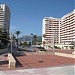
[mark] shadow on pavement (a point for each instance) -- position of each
(18, 64)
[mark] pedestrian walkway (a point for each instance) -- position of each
(41, 61)
(64, 70)
(36, 61)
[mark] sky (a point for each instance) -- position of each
(27, 15)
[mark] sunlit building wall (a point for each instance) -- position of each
(4, 17)
(67, 28)
(50, 30)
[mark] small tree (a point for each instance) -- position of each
(24, 44)
(44, 35)
(34, 39)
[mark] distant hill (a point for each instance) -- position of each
(25, 38)
(28, 38)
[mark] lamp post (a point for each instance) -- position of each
(11, 42)
(53, 42)
(31, 40)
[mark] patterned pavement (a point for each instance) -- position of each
(64, 70)
(41, 61)
(36, 61)
(35, 64)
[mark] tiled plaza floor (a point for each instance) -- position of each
(36, 61)
(40, 61)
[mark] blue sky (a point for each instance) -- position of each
(27, 15)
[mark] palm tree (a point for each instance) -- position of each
(35, 39)
(14, 39)
(17, 33)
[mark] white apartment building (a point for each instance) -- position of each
(67, 28)
(60, 31)
(50, 29)
(4, 17)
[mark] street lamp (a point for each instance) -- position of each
(31, 40)
(53, 41)
(11, 42)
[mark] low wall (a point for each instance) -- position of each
(12, 61)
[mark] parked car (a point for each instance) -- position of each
(40, 47)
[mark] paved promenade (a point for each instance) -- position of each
(64, 70)
(38, 64)
(36, 61)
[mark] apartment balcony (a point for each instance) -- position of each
(74, 31)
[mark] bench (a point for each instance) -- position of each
(12, 61)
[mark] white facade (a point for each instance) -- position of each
(4, 17)
(51, 30)
(67, 31)
(61, 29)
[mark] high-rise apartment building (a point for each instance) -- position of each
(67, 28)
(50, 29)
(4, 17)
(59, 30)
